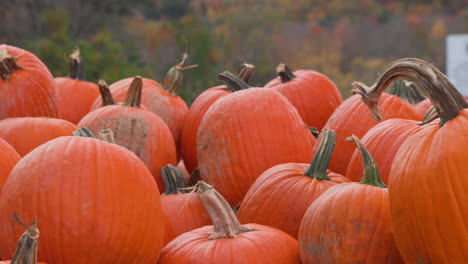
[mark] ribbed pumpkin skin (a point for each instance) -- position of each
(421, 108)
(8, 159)
(263, 245)
(353, 117)
(75, 97)
(171, 109)
(383, 141)
(86, 193)
(185, 212)
(192, 122)
(138, 130)
(27, 133)
(29, 91)
(313, 94)
(428, 193)
(281, 196)
(245, 133)
(348, 223)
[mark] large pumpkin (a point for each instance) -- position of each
(27, 88)
(281, 195)
(350, 222)
(8, 159)
(428, 183)
(140, 131)
(86, 193)
(244, 133)
(197, 111)
(313, 94)
(74, 95)
(227, 241)
(27, 133)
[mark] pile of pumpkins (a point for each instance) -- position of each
(285, 173)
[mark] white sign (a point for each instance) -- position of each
(457, 61)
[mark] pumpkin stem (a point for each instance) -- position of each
(83, 132)
(106, 95)
(173, 180)
(76, 71)
(174, 77)
(447, 101)
(284, 73)
(224, 220)
(245, 72)
(407, 91)
(233, 82)
(371, 174)
(133, 98)
(194, 177)
(431, 115)
(7, 64)
(314, 131)
(319, 165)
(107, 135)
(26, 251)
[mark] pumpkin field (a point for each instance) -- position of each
(294, 169)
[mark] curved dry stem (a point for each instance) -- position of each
(233, 82)
(106, 95)
(7, 64)
(174, 78)
(224, 220)
(447, 101)
(133, 98)
(26, 251)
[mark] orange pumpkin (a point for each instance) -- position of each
(27, 88)
(428, 183)
(244, 133)
(74, 95)
(138, 130)
(227, 241)
(350, 222)
(8, 159)
(197, 111)
(27, 133)
(281, 195)
(313, 94)
(86, 193)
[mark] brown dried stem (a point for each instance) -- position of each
(7, 64)
(106, 94)
(133, 98)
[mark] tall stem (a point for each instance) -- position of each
(7, 64)
(232, 81)
(75, 65)
(245, 72)
(224, 220)
(284, 73)
(26, 251)
(318, 167)
(106, 95)
(371, 174)
(173, 180)
(447, 101)
(133, 98)
(174, 78)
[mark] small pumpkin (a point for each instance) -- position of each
(74, 95)
(227, 240)
(350, 222)
(197, 111)
(27, 87)
(27, 133)
(281, 195)
(428, 183)
(313, 94)
(244, 133)
(140, 131)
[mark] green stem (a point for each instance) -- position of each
(284, 73)
(173, 180)
(371, 175)
(133, 98)
(222, 216)
(314, 131)
(26, 251)
(106, 95)
(318, 167)
(407, 91)
(447, 101)
(83, 132)
(174, 78)
(7, 64)
(233, 82)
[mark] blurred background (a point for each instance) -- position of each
(346, 40)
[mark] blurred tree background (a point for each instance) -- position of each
(346, 40)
